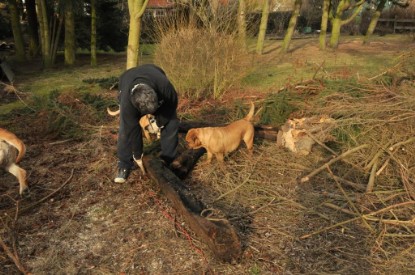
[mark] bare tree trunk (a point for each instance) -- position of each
(335, 33)
(93, 33)
(17, 31)
(32, 28)
(56, 31)
(263, 27)
(69, 34)
(338, 22)
(136, 9)
(324, 24)
(242, 21)
(44, 33)
(291, 27)
(374, 21)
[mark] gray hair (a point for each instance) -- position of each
(144, 98)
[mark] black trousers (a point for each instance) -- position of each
(168, 143)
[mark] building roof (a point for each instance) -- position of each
(160, 4)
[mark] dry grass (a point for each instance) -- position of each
(355, 216)
(329, 224)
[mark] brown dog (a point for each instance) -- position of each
(9, 158)
(219, 141)
(146, 125)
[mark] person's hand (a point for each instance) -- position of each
(140, 164)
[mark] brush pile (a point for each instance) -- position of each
(349, 205)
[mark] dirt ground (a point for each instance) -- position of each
(75, 220)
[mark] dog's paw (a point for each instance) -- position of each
(25, 193)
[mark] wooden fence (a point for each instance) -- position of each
(398, 25)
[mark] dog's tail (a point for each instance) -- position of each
(112, 113)
(13, 140)
(251, 112)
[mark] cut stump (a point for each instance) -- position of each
(299, 135)
(219, 235)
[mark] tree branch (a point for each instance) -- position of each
(321, 168)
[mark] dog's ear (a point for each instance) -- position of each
(192, 138)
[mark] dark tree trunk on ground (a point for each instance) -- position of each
(219, 235)
(186, 161)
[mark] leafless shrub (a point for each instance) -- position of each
(203, 56)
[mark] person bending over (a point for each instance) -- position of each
(145, 90)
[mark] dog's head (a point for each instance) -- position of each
(192, 139)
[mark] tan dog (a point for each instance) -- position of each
(146, 122)
(9, 157)
(220, 141)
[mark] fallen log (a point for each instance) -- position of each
(261, 131)
(185, 162)
(218, 234)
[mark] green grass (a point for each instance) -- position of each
(305, 60)
(268, 73)
(268, 76)
(8, 108)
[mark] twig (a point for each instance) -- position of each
(60, 141)
(377, 245)
(254, 211)
(329, 227)
(335, 207)
(349, 183)
(379, 75)
(318, 69)
(234, 189)
(393, 147)
(48, 196)
(320, 143)
(113, 86)
(394, 222)
(15, 91)
(410, 190)
(389, 208)
(372, 177)
(321, 168)
(376, 157)
(16, 216)
(237, 187)
(296, 204)
(383, 166)
(351, 203)
(336, 196)
(403, 252)
(394, 235)
(13, 257)
(357, 218)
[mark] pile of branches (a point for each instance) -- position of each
(367, 174)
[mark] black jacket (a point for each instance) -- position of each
(130, 132)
